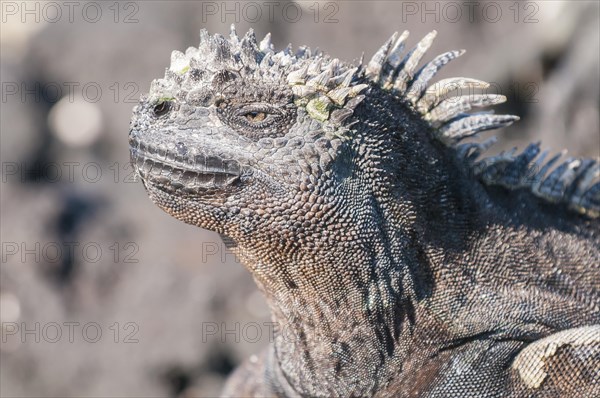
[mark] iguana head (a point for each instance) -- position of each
(240, 139)
(236, 135)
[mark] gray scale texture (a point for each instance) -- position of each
(395, 264)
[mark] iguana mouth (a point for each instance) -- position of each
(171, 173)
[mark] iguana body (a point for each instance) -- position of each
(394, 262)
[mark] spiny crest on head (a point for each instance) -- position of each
(326, 88)
(244, 55)
(575, 182)
(216, 49)
(395, 71)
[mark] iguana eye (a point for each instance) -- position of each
(258, 115)
(255, 117)
(162, 108)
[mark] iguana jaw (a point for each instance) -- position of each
(203, 174)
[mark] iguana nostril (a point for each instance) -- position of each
(181, 148)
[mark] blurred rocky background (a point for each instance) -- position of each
(104, 295)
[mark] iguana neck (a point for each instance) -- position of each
(343, 310)
(339, 313)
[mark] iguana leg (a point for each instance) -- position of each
(564, 364)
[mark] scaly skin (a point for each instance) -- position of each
(391, 269)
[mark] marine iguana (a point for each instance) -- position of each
(395, 261)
